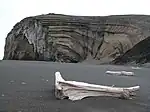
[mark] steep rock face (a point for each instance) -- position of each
(64, 38)
(25, 41)
(139, 54)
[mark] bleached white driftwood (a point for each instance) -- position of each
(124, 73)
(74, 90)
(136, 68)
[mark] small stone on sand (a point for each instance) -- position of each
(23, 83)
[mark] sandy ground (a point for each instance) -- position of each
(29, 87)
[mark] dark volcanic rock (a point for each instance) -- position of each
(139, 54)
(63, 38)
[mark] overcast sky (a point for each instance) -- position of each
(12, 11)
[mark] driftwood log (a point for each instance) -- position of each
(136, 68)
(120, 73)
(74, 90)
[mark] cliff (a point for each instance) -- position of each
(66, 38)
(139, 54)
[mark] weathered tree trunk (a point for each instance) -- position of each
(78, 90)
(124, 73)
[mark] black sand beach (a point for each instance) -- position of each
(28, 87)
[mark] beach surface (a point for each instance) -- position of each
(28, 86)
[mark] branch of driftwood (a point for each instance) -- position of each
(120, 73)
(74, 90)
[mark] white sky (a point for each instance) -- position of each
(12, 11)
